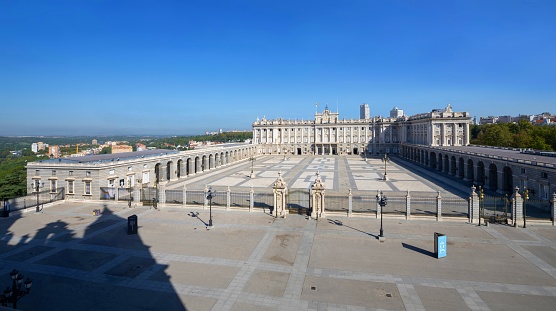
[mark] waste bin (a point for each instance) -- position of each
(440, 245)
(132, 224)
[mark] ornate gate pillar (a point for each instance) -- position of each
(317, 198)
(280, 190)
(517, 207)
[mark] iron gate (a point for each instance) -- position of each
(147, 195)
(297, 201)
(496, 209)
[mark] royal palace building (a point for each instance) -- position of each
(327, 134)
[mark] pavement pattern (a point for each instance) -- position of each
(252, 261)
(338, 173)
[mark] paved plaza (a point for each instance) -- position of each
(339, 174)
(252, 261)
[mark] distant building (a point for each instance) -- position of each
(121, 148)
(36, 147)
(364, 112)
(488, 120)
(140, 147)
(54, 152)
(396, 113)
(94, 142)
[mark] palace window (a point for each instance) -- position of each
(87, 188)
(53, 185)
(70, 186)
(53, 172)
(544, 192)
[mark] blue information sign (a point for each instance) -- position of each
(442, 249)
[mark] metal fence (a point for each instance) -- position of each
(32, 200)
(538, 209)
(363, 204)
(423, 205)
(455, 207)
(240, 199)
(174, 196)
(195, 197)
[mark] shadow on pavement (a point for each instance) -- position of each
(339, 223)
(418, 250)
(105, 269)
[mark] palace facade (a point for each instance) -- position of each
(327, 134)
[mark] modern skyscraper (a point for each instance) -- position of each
(364, 111)
(396, 113)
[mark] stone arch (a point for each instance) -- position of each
(481, 173)
(493, 177)
(508, 179)
(440, 162)
(470, 171)
(169, 170)
(211, 161)
(178, 168)
(433, 160)
(157, 173)
(197, 164)
(461, 168)
(203, 163)
(446, 165)
(453, 166)
(188, 166)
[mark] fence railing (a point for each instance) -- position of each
(32, 200)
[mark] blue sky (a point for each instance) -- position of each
(186, 67)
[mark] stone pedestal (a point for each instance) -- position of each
(474, 207)
(317, 199)
(280, 191)
(517, 208)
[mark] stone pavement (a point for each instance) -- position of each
(252, 261)
(339, 173)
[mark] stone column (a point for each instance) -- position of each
(350, 203)
(280, 190)
(161, 195)
(438, 207)
(454, 134)
(442, 134)
(474, 207)
(251, 198)
(317, 195)
(517, 207)
(136, 194)
(407, 206)
(228, 198)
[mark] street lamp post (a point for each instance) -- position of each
(252, 159)
(37, 186)
(209, 197)
(129, 192)
(14, 293)
(481, 204)
(382, 200)
(385, 160)
(525, 198)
